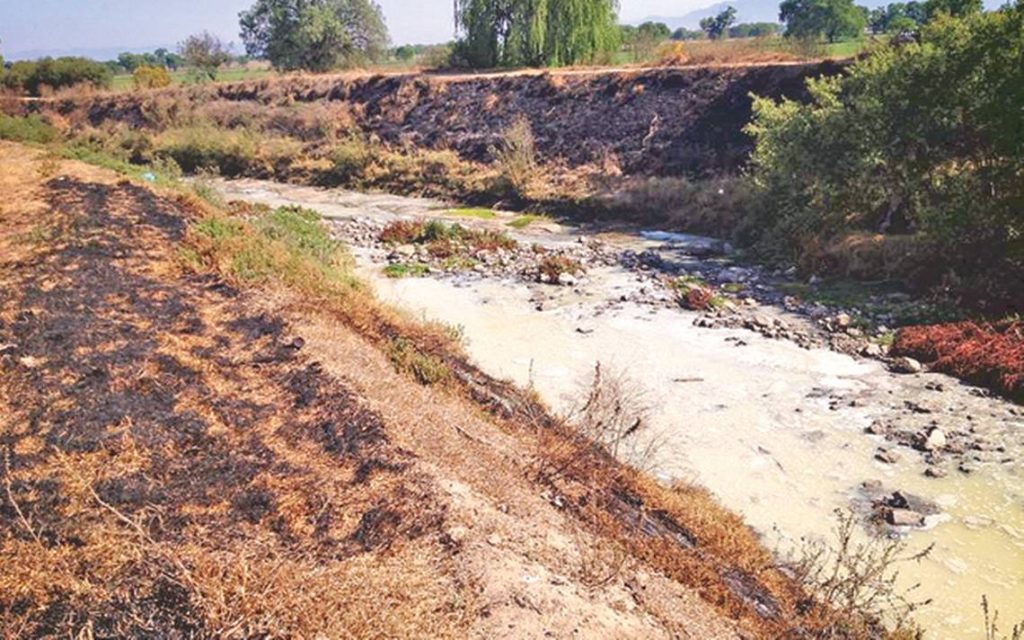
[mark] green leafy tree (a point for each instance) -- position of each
(924, 138)
(754, 30)
(56, 73)
(682, 33)
(896, 18)
(496, 33)
(315, 35)
(718, 26)
(405, 52)
(955, 8)
(832, 19)
(205, 53)
(647, 37)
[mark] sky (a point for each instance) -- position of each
(102, 28)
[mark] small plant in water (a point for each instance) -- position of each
(406, 270)
(992, 625)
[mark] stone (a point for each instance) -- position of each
(871, 350)
(906, 364)
(935, 472)
(877, 428)
(566, 279)
(843, 320)
(904, 518)
(936, 439)
(887, 456)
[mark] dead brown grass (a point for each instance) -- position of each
(173, 466)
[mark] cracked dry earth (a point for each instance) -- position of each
(177, 464)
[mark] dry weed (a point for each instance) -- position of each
(857, 580)
(615, 414)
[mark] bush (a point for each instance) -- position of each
(56, 73)
(922, 138)
(146, 77)
(516, 158)
(350, 159)
(26, 129)
(990, 355)
(227, 152)
(230, 153)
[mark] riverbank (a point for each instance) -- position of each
(216, 428)
(775, 407)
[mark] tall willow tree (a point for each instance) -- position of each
(495, 33)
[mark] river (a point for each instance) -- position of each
(775, 431)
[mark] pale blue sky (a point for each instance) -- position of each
(99, 27)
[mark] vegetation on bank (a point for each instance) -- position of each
(919, 143)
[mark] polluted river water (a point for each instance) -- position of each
(775, 431)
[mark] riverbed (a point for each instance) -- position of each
(774, 430)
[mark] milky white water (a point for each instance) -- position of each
(752, 423)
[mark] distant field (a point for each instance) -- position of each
(124, 81)
(743, 50)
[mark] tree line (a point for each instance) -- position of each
(319, 35)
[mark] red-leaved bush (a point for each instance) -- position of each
(990, 355)
(698, 298)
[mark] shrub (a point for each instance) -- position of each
(443, 239)
(26, 129)
(920, 138)
(228, 152)
(857, 579)
(56, 73)
(615, 415)
(407, 358)
(350, 159)
(516, 158)
(672, 54)
(402, 232)
(552, 266)
(990, 355)
(146, 77)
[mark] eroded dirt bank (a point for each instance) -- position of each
(182, 456)
(781, 433)
(651, 122)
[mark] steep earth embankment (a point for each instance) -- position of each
(654, 122)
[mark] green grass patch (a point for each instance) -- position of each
(459, 263)
(124, 81)
(525, 220)
(406, 358)
(288, 243)
(30, 129)
(406, 270)
(472, 212)
(688, 281)
(163, 173)
(873, 300)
